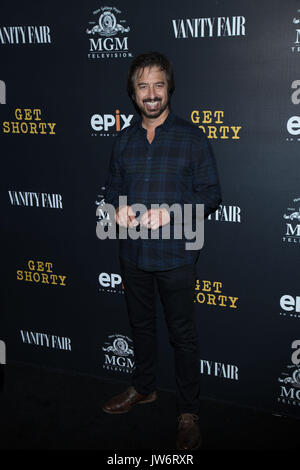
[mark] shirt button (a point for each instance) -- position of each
(146, 179)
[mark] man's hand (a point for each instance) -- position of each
(155, 218)
(125, 217)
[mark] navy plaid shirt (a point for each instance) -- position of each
(177, 167)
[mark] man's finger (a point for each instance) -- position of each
(146, 217)
(132, 222)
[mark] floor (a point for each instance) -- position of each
(44, 409)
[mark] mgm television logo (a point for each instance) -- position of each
(290, 379)
(118, 354)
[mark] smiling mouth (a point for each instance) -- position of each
(152, 105)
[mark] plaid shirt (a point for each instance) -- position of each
(177, 167)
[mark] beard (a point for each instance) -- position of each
(156, 113)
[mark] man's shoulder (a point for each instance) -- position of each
(124, 135)
(129, 130)
(187, 129)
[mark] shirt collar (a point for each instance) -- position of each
(165, 125)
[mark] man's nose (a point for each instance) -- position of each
(151, 92)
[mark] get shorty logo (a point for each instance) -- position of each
(211, 293)
(28, 121)
(211, 122)
(40, 272)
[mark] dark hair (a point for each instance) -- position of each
(150, 59)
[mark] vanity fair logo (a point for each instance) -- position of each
(107, 35)
(25, 35)
(2, 92)
(296, 22)
(292, 224)
(210, 293)
(209, 27)
(32, 199)
(111, 282)
(226, 214)
(290, 379)
(118, 354)
(293, 123)
(218, 369)
(46, 340)
(109, 125)
(290, 306)
(212, 124)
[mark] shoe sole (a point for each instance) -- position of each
(143, 402)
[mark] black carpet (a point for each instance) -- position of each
(44, 409)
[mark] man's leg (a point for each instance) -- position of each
(176, 288)
(139, 291)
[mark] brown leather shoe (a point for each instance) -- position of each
(188, 437)
(125, 401)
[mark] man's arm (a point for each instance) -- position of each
(206, 185)
(205, 181)
(124, 215)
(114, 182)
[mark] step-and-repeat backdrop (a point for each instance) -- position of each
(63, 102)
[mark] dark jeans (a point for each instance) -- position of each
(176, 290)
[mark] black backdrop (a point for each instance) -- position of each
(63, 94)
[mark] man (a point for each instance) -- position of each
(160, 159)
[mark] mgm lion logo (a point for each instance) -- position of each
(107, 24)
(119, 346)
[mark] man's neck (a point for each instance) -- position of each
(150, 124)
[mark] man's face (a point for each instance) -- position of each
(151, 91)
